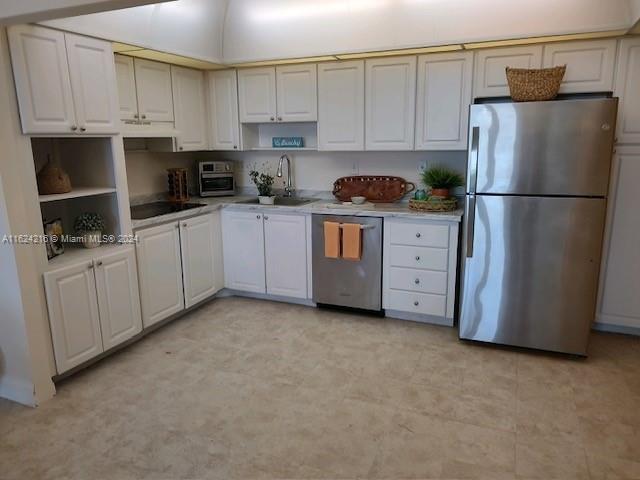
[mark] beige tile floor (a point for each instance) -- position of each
(244, 388)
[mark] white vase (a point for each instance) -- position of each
(91, 239)
(266, 200)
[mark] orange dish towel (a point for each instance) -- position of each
(351, 241)
(331, 239)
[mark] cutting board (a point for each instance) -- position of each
(376, 188)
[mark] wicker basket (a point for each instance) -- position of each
(52, 180)
(434, 204)
(528, 85)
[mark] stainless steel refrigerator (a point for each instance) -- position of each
(537, 181)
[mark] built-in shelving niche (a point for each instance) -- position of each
(258, 136)
(89, 162)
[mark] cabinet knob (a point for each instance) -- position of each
(266, 218)
(235, 147)
(99, 263)
(416, 281)
(144, 116)
(180, 148)
(90, 266)
(258, 217)
(135, 115)
(74, 128)
(83, 129)
(279, 119)
(418, 235)
(417, 258)
(272, 119)
(416, 303)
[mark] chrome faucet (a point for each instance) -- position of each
(288, 189)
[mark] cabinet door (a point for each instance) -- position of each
(490, 79)
(223, 110)
(390, 103)
(128, 102)
(41, 72)
(153, 85)
(257, 95)
(190, 108)
(627, 81)
(341, 106)
(118, 297)
(160, 271)
(73, 314)
(93, 84)
(620, 302)
(243, 251)
(199, 266)
(285, 246)
(297, 93)
(443, 98)
(589, 64)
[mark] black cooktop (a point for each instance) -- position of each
(148, 210)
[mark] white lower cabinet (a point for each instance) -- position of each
(419, 269)
(93, 306)
(179, 265)
(266, 253)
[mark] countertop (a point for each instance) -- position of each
(322, 206)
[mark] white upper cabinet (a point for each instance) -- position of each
(341, 105)
(153, 84)
(65, 83)
(189, 102)
(296, 93)
(490, 79)
(199, 242)
(73, 315)
(285, 246)
(118, 297)
(390, 103)
(93, 84)
(627, 88)
(257, 95)
(126, 80)
(590, 64)
(41, 72)
(223, 110)
(619, 301)
(443, 98)
(160, 270)
(243, 247)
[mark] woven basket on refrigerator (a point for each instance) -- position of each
(528, 85)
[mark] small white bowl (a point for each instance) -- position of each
(358, 200)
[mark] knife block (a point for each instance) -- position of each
(178, 185)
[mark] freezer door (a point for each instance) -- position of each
(561, 147)
(531, 271)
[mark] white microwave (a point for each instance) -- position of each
(216, 179)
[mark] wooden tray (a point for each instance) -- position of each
(377, 189)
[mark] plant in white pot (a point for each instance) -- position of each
(90, 226)
(264, 183)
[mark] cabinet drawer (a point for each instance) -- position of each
(426, 281)
(418, 257)
(421, 235)
(424, 303)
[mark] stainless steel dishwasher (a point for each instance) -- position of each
(348, 283)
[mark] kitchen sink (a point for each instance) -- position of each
(286, 201)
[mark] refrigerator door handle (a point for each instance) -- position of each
(472, 179)
(470, 215)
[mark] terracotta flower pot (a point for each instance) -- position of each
(440, 192)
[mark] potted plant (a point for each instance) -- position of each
(90, 226)
(441, 180)
(264, 183)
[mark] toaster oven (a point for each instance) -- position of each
(216, 179)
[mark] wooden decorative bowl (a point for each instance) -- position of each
(375, 188)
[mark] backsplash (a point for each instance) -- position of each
(147, 172)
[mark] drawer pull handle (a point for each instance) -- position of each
(416, 303)
(418, 235)
(417, 258)
(417, 281)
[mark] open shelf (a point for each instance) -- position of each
(76, 193)
(272, 149)
(259, 136)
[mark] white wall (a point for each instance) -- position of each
(318, 170)
(271, 29)
(192, 28)
(24, 11)
(23, 280)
